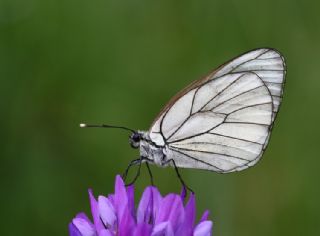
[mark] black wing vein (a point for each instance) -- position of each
(216, 153)
(196, 159)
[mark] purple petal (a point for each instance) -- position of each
(163, 229)
(126, 224)
(107, 212)
(142, 229)
(83, 216)
(85, 227)
(183, 194)
(156, 200)
(171, 209)
(120, 197)
(205, 216)
(111, 198)
(186, 227)
(203, 229)
(95, 212)
(73, 231)
(190, 210)
(144, 211)
(130, 194)
(105, 232)
(148, 205)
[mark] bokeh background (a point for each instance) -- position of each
(63, 62)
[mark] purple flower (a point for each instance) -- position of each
(116, 215)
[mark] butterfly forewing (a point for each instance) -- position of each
(223, 121)
(268, 64)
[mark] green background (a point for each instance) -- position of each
(63, 62)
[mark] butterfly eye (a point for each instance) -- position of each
(135, 140)
(136, 137)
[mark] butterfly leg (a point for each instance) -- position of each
(132, 163)
(179, 176)
(150, 173)
(138, 162)
(137, 174)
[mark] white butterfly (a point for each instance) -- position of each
(221, 122)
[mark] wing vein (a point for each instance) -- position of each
(253, 105)
(223, 102)
(222, 91)
(196, 159)
(217, 153)
(178, 140)
(241, 139)
(219, 144)
(258, 70)
(246, 123)
(236, 67)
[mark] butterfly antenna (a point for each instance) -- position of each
(82, 125)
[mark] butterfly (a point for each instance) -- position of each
(221, 122)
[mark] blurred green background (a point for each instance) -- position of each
(64, 62)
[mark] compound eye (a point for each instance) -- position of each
(136, 137)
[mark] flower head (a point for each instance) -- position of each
(116, 215)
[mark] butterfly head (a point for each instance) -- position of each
(135, 139)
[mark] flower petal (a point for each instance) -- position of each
(120, 197)
(171, 209)
(205, 216)
(130, 194)
(107, 212)
(203, 229)
(190, 210)
(73, 231)
(186, 227)
(183, 193)
(163, 229)
(86, 228)
(95, 212)
(83, 216)
(105, 232)
(142, 229)
(126, 224)
(144, 211)
(148, 205)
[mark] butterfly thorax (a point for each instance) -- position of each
(149, 150)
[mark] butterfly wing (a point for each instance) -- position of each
(223, 121)
(268, 64)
